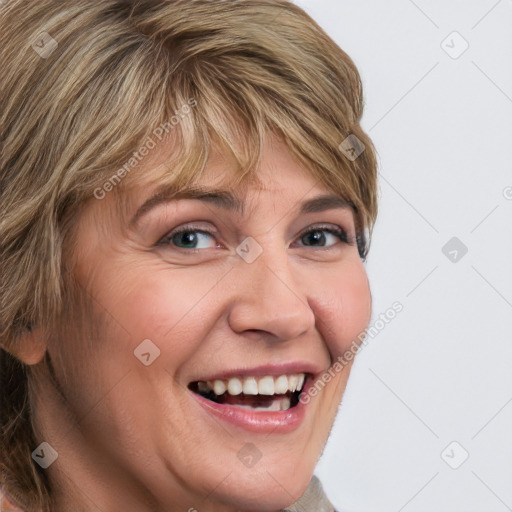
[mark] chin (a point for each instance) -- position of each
(268, 488)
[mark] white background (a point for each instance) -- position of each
(441, 370)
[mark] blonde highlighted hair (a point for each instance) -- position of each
(84, 83)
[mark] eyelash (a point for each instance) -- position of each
(334, 230)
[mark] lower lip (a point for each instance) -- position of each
(261, 422)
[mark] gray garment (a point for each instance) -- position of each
(314, 499)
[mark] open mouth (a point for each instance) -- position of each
(255, 393)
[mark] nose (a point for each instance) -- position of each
(268, 298)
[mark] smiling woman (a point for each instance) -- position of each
(186, 200)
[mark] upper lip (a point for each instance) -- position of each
(273, 370)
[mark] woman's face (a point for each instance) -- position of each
(239, 298)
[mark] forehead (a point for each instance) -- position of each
(277, 178)
(221, 168)
(276, 172)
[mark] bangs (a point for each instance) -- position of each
(211, 112)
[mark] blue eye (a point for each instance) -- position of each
(188, 238)
(315, 236)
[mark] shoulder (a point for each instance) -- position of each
(314, 498)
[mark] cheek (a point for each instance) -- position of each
(164, 305)
(342, 305)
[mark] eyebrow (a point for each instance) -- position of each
(228, 201)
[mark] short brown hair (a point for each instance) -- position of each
(84, 83)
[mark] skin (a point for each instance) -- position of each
(131, 437)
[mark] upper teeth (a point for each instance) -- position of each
(252, 386)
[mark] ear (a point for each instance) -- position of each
(31, 346)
